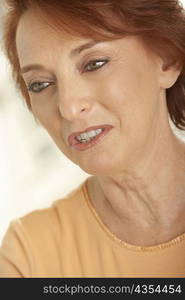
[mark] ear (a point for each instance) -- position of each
(169, 73)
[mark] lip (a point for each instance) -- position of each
(80, 146)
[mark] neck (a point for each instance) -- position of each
(148, 198)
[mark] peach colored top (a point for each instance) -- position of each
(69, 239)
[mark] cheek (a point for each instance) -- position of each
(131, 97)
(131, 93)
(47, 116)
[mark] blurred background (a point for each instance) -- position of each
(33, 172)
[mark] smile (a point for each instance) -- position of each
(90, 138)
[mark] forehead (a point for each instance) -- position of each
(36, 40)
(34, 34)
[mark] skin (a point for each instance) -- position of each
(139, 193)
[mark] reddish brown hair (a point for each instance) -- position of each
(159, 23)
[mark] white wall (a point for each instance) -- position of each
(33, 172)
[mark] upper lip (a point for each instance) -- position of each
(72, 136)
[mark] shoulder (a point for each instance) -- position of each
(48, 220)
(36, 236)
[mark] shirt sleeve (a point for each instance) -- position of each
(15, 258)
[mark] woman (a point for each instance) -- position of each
(103, 77)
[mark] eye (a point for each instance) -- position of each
(95, 65)
(38, 86)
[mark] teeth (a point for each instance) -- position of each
(99, 130)
(92, 133)
(84, 141)
(84, 135)
(88, 136)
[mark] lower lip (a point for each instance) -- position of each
(84, 146)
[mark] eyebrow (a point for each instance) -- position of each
(73, 52)
(83, 47)
(28, 68)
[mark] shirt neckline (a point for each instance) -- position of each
(114, 238)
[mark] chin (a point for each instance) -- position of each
(98, 168)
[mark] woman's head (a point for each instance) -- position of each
(102, 63)
(160, 23)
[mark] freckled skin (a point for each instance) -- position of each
(128, 93)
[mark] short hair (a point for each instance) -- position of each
(159, 23)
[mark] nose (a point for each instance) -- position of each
(74, 101)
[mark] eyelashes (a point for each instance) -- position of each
(37, 87)
(95, 65)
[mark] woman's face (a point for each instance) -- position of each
(114, 83)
